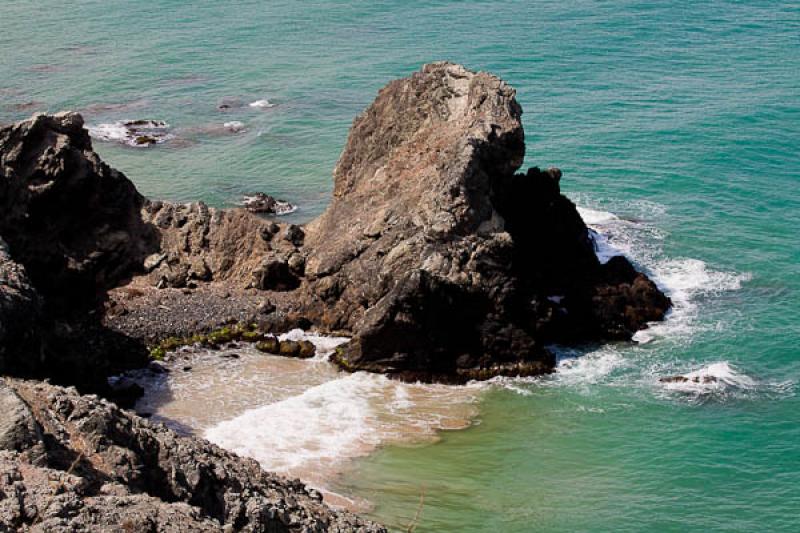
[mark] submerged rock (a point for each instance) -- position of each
(689, 379)
(137, 133)
(263, 203)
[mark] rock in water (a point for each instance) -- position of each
(263, 203)
(435, 255)
(440, 259)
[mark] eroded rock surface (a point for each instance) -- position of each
(440, 259)
(70, 219)
(103, 469)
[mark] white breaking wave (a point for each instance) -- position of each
(323, 425)
(262, 104)
(593, 217)
(315, 433)
(713, 378)
(686, 281)
(136, 133)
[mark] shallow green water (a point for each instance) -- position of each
(684, 118)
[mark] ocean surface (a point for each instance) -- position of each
(677, 126)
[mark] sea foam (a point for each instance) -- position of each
(709, 379)
(262, 104)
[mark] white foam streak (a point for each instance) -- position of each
(713, 378)
(321, 426)
(262, 104)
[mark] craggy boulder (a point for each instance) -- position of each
(70, 219)
(440, 259)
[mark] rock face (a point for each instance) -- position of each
(70, 219)
(76, 463)
(20, 310)
(71, 229)
(440, 259)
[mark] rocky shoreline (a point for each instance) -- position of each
(436, 257)
(79, 463)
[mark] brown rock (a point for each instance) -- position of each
(289, 349)
(269, 345)
(307, 349)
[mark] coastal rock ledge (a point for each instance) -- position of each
(77, 463)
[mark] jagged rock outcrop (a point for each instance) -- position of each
(70, 219)
(435, 255)
(440, 259)
(77, 463)
(72, 229)
(202, 244)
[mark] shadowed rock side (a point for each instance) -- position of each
(440, 259)
(73, 221)
(77, 463)
(71, 229)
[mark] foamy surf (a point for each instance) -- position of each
(721, 381)
(713, 378)
(684, 280)
(301, 418)
(135, 133)
(316, 434)
(262, 104)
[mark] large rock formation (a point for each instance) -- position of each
(440, 259)
(76, 463)
(435, 255)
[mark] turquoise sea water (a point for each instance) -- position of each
(682, 119)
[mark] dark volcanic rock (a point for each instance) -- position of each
(98, 468)
(440, 259)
